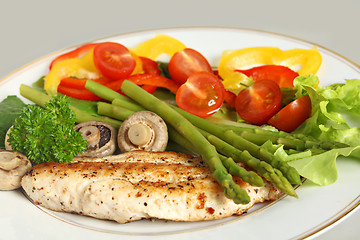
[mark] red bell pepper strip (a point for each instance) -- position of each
(282, 75)
(116, 86)
(75, 87)
(150, 66)
(155, 80)
(79, 83)
(78, 90)
(74, 53)
(230, 98)
(149, 89)
(83, 94)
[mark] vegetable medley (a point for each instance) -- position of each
(261, 106)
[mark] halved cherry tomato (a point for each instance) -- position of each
(292, 115)
(76, 53)
(282, 75)
(113, 60)
(186, 62)
(201, 95)
(259, 102)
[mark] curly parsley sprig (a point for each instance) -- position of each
(47, 134)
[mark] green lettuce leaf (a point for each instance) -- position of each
(331, 106)
(344, 97)
(280, 153)
(301, 82)
(321, 169)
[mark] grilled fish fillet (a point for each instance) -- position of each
(137, 185)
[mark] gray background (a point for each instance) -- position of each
(32, 29)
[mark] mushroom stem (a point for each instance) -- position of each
(139, 134)
(143, 130)
(91, 134)
(100, 137)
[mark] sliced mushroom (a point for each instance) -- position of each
(143, 130)
(13, 166)
(100, 136)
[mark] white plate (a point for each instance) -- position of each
(317, 209)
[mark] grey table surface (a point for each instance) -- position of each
(32, 29)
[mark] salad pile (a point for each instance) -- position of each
(261, 106)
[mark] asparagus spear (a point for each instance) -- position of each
(239, 142)
(191, 133)
(297, 142)
(262, 168)
(236, 170)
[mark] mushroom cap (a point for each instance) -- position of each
(101, 138)
(13, 166)
(143, 125)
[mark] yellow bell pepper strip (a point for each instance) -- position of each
(304, 61)
(139, 65)
(158, 45)
(78, 52)
(82, 67)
